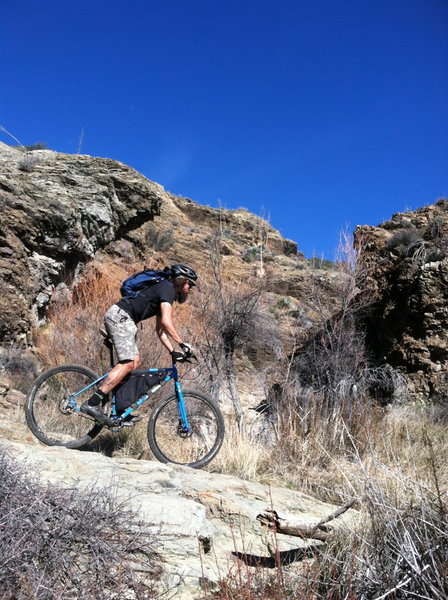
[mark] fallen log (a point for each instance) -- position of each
(293, 525)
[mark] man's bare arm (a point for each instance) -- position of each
(165, 326)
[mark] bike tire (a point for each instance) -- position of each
(199, 447)
(44, 410)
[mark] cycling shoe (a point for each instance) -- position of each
(97, 413)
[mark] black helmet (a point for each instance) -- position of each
(184, 271)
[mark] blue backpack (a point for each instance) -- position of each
(133, 285)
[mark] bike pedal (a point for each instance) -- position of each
(130, 421)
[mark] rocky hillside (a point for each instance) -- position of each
(406, 265)
(61, 212)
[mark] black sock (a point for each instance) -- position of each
(97, 398)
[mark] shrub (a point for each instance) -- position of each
(321, 263)
(406, 549)
(31, 147)
(436, 228)
(28, 163)
(36, 146)
(257, 253)
(20, 365)
(284, 303)
(160, 240)
(403, 239)
(69, 544)
(251, 254)
(442, 203)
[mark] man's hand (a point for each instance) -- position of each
(187, 349)
(177, 356)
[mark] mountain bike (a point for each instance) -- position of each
(186, 427)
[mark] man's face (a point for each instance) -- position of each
(184, 292)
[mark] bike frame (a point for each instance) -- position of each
(165, 375)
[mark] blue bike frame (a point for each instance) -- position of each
(166, 374)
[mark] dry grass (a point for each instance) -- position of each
(398, 473)
(335, 446)
(240, 456)
(332, 462)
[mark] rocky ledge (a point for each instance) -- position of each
(204, 523)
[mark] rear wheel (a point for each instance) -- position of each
(52, 410)
(194, 448)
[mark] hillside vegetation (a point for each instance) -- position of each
(292, 349)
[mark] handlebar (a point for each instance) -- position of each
(180, 357)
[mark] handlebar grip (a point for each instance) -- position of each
(179, 357)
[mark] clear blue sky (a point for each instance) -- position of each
(318, 114)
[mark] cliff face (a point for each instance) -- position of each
(57, 211)
(406, 261)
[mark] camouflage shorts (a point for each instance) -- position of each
(123, 332)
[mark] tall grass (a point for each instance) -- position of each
(325, 435)
(399, 476)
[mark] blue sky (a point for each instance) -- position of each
(318, 114)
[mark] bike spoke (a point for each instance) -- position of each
(53, 409)
(195, 447)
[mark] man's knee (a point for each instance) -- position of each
(126, 365)
(129, 365)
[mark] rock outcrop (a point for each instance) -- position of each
(204, 523)
(60, 212)
(57, 211)
(406, 262)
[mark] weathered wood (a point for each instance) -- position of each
(294, 525)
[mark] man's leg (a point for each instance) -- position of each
(123, 333)
(118, 373)
(93, 406)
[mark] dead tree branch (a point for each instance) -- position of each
(293, 525)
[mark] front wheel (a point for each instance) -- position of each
(194, 448)
(52, 410)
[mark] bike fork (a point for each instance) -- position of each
(183, 421)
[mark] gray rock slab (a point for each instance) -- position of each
(203, 522)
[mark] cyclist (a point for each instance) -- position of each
(156, 300)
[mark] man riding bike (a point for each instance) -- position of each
(155, 300)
